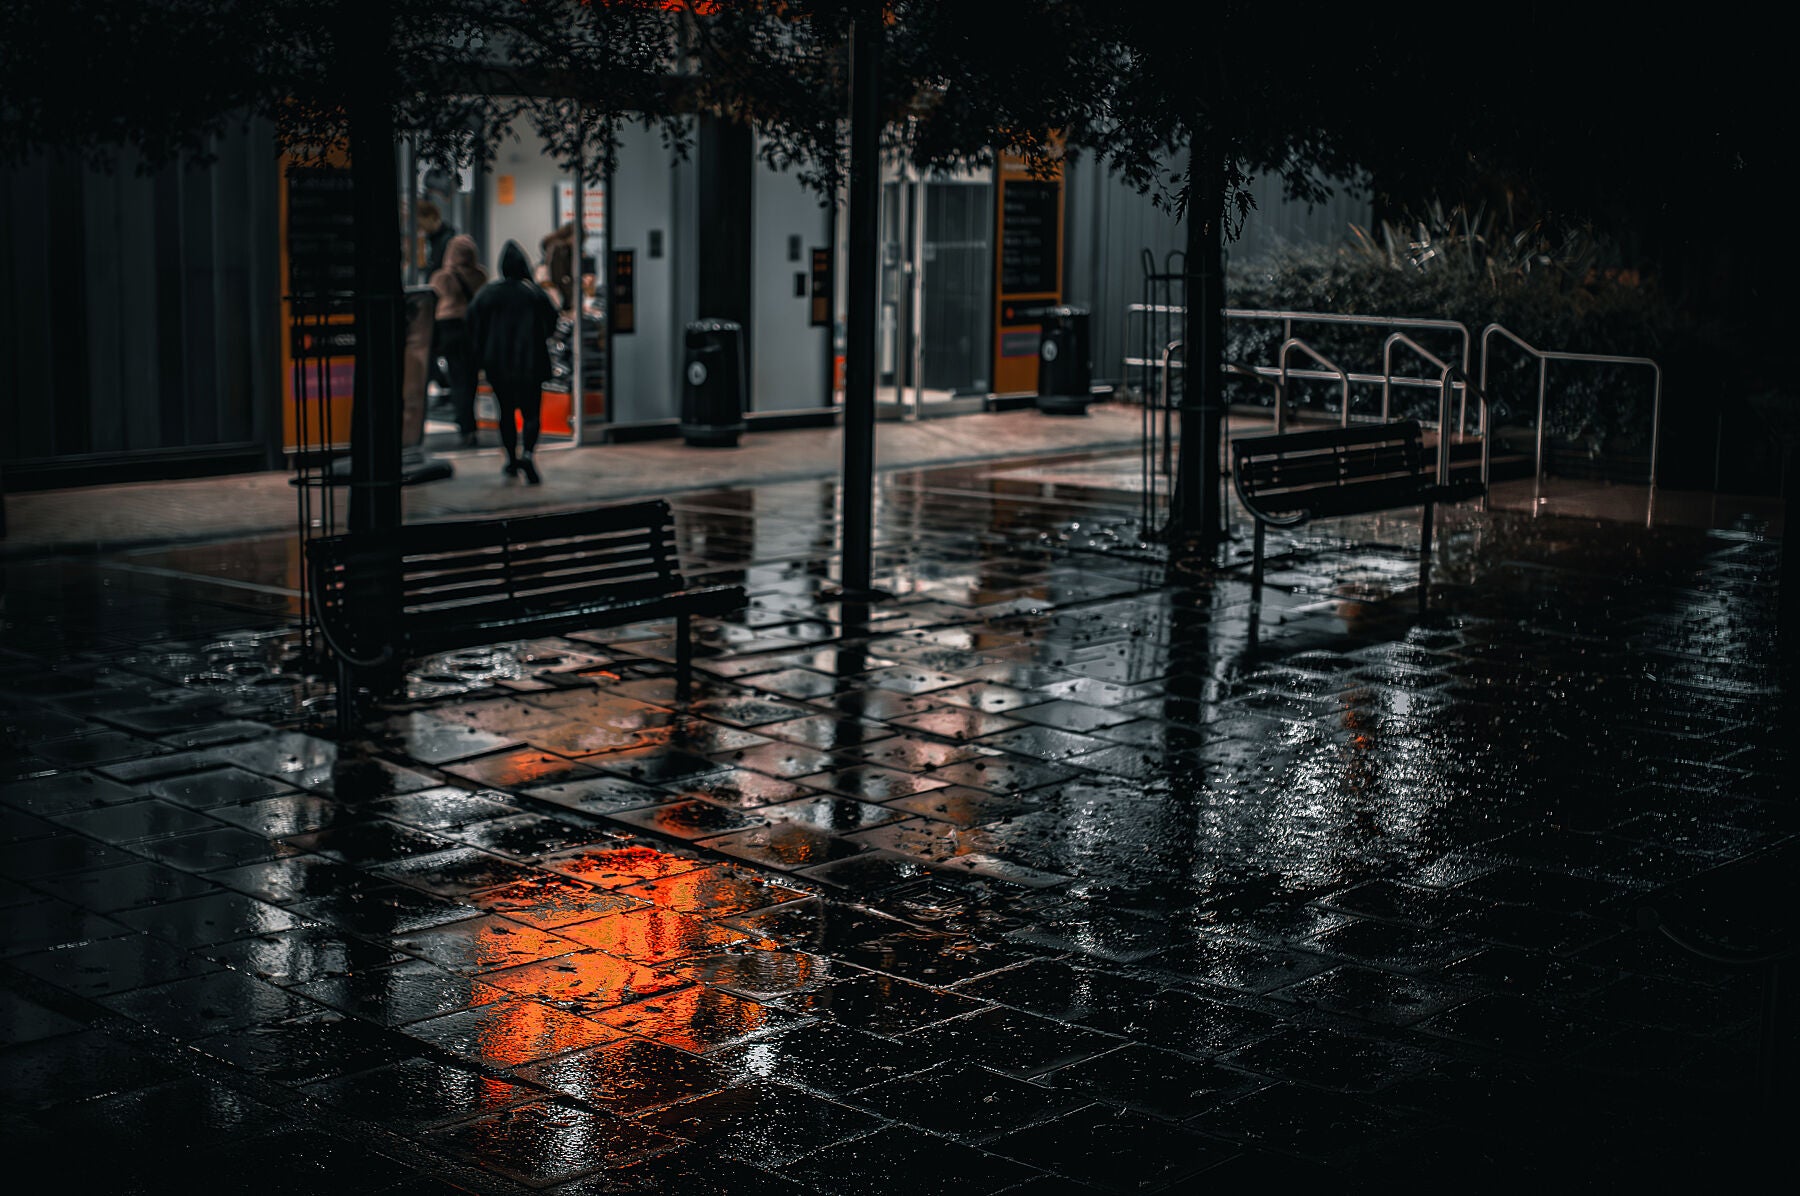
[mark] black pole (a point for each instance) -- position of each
(1197, 515)
(858, 483)
(375, 417)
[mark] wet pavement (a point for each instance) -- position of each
(1044, 876)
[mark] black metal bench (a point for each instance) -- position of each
(1297, 477)
(382, 598)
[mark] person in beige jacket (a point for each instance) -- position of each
(456, 284)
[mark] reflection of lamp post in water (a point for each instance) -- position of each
(417, 464)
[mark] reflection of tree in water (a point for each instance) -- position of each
(1302, 810)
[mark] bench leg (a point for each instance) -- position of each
(346, 699)
(1424, 557)
(1256, 575)
(684, 658)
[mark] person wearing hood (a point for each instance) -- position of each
(456, 286)
(511, 321)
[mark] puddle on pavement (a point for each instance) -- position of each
(1049, 807)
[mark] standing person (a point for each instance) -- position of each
(438, 233)
(437, 239)
(511, 322)
(456, 286)
(559, 252)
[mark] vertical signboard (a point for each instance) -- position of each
(318, 276)
(593, 202)
(1027, 268)
(622, 305)
(823, 289)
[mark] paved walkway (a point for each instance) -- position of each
(1045, 878)
(114, 518)
(96, 518)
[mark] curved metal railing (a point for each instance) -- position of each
(1544, 358)
(1454, 376)
(1153, 312)
(1288, 345)
(1290, 318)
(1388, 379)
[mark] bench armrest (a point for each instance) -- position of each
(324, 621)
(1262, 516)
(1649, 918)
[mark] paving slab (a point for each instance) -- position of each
(1046, 875)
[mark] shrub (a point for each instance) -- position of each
(1564, 289)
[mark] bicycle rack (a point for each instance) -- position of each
(1153, 443)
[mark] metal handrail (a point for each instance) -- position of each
(1454, 376)
(1387, 375)
(1149, 457)
(1289, 318)
(1294, 342)
(1544, 358)
(1147, 420)
(1278, 378)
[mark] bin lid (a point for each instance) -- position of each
(714, 325)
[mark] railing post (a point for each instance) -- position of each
(1537, 486)
(1281, 388)
(1443, 445)
(1387, 375)
(1655, 443)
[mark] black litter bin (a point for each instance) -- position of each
(1065, 365)
(712, 384)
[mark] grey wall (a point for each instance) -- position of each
(787, 354)
(531, 216)
(138, 318)
(647, 193)
(1109, 226)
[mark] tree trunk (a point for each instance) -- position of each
(375, 414)
(1196, 510)
(857, 485)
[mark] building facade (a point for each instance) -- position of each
(147, 332)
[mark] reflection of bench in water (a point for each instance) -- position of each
(1740, 915)
(1296, 477)
(382, 598)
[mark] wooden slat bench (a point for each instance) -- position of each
(1297, 477)
(387, 597)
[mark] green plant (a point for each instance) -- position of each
(1559, 288)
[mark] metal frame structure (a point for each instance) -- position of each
(315, 487)
(1453, 376)
(1281, 387)
(1152, 312)
(1544, 358)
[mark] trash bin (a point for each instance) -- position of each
(1065, 366)
(712, 384)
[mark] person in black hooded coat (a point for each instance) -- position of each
(511, 321)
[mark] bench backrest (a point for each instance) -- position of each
(486, 567)
(1332, 471)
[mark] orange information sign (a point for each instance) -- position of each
(1027, 269)
(318, 264)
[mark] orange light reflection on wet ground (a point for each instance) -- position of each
(617, 867)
